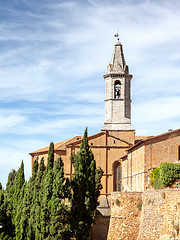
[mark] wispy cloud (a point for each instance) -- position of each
(52, 59)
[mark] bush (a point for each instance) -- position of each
(165, 175)
(153, 175)
(169, 172)
(158, 184)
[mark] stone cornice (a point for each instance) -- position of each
(119, 99)
(114, 99)
(118, 75)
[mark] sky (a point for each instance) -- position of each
(53, 55)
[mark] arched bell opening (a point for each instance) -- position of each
(117, 90)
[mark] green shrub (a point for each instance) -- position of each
(158, 184)
(169, 172)
(165, 175)
(153, 175)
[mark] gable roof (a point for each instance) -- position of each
(89, 138)
(58, 146)
(155, 138)
(75, 141)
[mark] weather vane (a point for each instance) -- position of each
(117, 35)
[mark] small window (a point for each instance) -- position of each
(91, 144)
(117, 90)
(117, 177)
(179, 153)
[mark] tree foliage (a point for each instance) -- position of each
(10, 202)
(49, 205)
(85, 190)
(165, 175)
(169, 172)
(153, 175)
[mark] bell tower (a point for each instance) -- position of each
(117, 95)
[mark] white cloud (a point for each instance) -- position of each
(52, 59)
(7, 123)
(156, 115)
(157, 109)
(13, 152)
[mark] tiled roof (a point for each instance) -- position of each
(147, 139)
(141, 137)
(60, 145)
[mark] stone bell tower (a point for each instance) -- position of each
(117, 96)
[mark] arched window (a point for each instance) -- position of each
(117, 90)
(117, 176)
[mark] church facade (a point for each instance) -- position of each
(126, 159)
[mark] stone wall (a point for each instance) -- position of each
(159, 217)
(125, 216)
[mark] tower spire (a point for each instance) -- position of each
(117, 63)
(117, 99)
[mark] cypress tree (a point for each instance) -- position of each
(8, 229)
(50, 206)
(50, 160)
(47, 194)
(21, 217)
(5, 221)
(18, 183)
(11, 198)
(9, 192)
(11, 178)
(31, 196)
(85, 191)
(23, 227)
(37, 194)
(59, 228)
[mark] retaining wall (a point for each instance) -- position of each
(159, 217)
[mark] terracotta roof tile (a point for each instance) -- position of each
(59, 146)
(141, 137)
(177, 131)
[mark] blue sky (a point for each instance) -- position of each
(53, 55)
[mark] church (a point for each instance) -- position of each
(116, 136)
(125, 158)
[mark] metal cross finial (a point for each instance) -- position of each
(117, 35)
